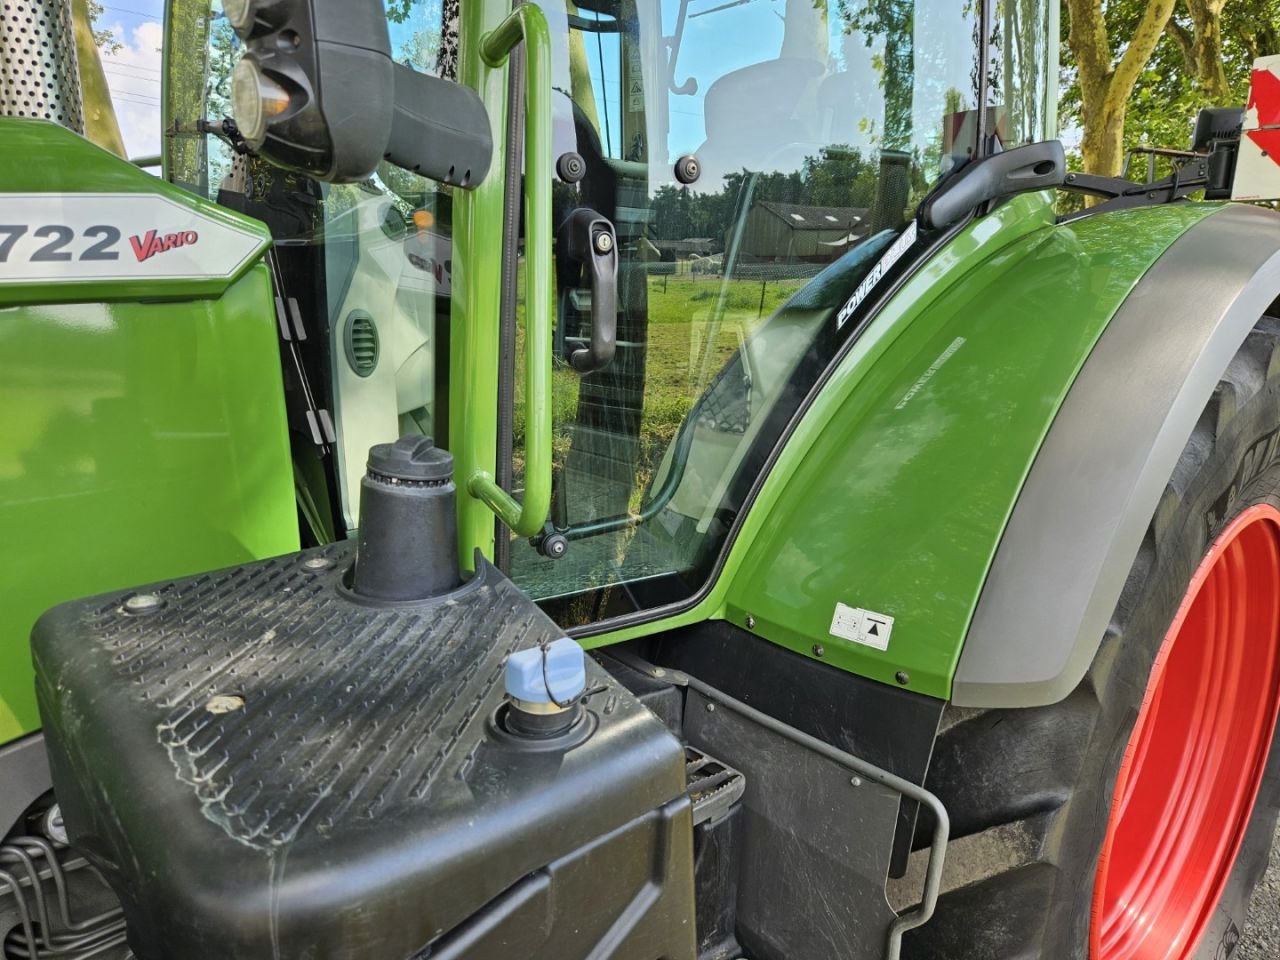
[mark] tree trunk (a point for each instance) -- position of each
(1103, 142)
(1206, 51)
(1105, 88)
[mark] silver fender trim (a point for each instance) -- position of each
(1089, 497)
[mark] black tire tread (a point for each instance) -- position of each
(1007, 802)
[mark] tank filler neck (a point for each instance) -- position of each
(407, 546)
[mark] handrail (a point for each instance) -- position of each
(528, 23)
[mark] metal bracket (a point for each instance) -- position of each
(922, 912)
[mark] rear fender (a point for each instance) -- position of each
(891, 494)
(1080, 517)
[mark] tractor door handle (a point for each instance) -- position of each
(590, 239)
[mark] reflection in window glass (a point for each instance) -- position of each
(817, 127)
(368, 264)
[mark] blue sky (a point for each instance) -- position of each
(714, 44)
(133, 72)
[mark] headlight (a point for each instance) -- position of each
(255, 100)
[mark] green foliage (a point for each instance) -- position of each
(105, 40)
(837, 177)
(1167, 96)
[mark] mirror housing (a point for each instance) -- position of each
(1036, 166)
(318, 92)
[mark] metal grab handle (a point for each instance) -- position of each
(528, 23)
(588, 238)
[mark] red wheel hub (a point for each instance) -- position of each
(1195, 760)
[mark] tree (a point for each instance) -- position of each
(1202, 47)
(1108, 64)
(1171, 89)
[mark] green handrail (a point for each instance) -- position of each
(528, 23)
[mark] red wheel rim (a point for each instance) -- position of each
(1195, 760)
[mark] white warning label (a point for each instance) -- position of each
(866, 627)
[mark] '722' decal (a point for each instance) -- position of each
(56, 238)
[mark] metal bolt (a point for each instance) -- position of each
(315, 564)
(688, 169)
(223, 703)
(141, 603)
(603, 242)
(902, 677)
(819, 650)
(856, 781)
(711, 708)
(751, 622)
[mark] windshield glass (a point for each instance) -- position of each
(365, 269)
(761, 162)
(816, 127)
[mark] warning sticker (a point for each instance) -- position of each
(866, 627)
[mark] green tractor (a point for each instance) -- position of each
(629, 479)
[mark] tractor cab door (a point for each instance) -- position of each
(756, 158)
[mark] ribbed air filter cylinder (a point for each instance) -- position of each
(39, 74)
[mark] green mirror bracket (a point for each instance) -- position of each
(528, 24)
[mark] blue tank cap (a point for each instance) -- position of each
(566, 672)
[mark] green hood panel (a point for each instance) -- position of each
(138, 440)
(79, 224)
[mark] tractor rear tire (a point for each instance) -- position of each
(1031, 791)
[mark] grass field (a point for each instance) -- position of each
(687, 344)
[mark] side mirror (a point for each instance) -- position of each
(317, 91)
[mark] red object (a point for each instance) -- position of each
(1194, 763)
(1264, 97)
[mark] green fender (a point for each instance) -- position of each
(891, 494)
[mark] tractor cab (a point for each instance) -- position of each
(751, 161)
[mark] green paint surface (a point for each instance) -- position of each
(41, 157)
(893, 491)
(138, 441)
(477, 292)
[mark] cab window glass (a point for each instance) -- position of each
(817, 126)
(365, 268)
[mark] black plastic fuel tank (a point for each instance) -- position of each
(264, 764)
